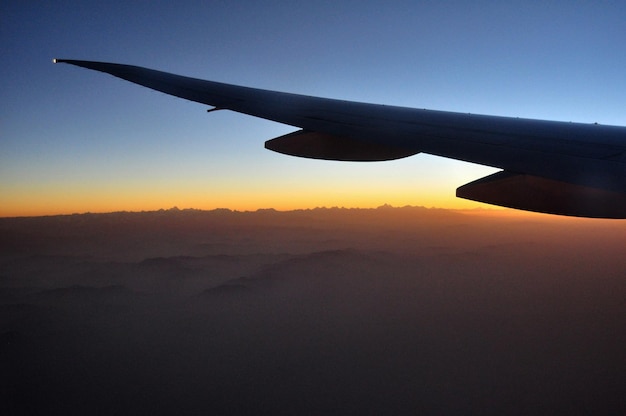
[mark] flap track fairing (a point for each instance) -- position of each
(316, 145)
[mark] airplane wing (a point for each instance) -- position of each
(547, 166)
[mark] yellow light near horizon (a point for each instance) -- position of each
(48, 201)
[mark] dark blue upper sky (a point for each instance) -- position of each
(69, 134)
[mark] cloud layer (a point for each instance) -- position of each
(327, 311)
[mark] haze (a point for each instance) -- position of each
(326, 311)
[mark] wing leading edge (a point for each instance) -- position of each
(548, 166)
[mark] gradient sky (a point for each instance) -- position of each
(73, 140)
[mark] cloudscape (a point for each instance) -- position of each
(249, 300)
(326, 311)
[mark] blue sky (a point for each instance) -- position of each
(73, 140)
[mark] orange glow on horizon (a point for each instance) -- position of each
(142, 203)
(77, 198)
(45, 202)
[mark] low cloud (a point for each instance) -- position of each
(326, 311)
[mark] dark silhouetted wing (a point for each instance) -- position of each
(548, 166)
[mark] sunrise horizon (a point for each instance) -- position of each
(303, 249)
(55, 202)
(482, 210)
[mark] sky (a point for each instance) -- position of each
(73, 140)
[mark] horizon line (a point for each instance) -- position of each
(189, 209)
